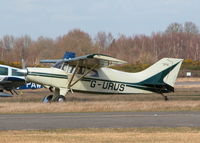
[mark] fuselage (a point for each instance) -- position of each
(102, 80)
(159, 78)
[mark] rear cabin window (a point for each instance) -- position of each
(3, 71)
(94, 73)
(16, 73)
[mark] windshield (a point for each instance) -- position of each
(58, 65)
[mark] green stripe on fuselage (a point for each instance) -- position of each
(48, 75)
(132, 85)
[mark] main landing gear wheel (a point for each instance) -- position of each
(59, 98)
(47, 99)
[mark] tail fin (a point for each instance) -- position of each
(162, 75)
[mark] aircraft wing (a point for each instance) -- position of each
(51, 61)
(92, 60)
(67, 55)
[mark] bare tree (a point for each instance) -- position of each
(2, 50)
(103, 41)
(8, 42)
(174, 42)
(75, 41)
(174, 28)
(190, 27)
(22, 44)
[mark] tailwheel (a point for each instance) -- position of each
(47, 99)
(165, 97)
(59, 98)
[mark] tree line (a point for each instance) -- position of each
(178, 41)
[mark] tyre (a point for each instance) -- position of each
(59, 98)
(47, 99)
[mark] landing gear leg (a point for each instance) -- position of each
(165, 97)
(51, 88)
(58, 95)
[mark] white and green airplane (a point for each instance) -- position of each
(91, 73)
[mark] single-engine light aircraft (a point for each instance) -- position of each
(91, 73)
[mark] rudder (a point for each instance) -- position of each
(162, 75)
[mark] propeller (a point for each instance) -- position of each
(23, 64)
(24, 70)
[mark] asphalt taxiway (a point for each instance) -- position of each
(98, 120)
(188, 83)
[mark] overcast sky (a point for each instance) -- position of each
(53, 18)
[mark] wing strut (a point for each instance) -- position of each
(72, 84)
(76, 69)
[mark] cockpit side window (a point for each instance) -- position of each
(68, 68)
(81, 70)
(16, 73)
(3, 71)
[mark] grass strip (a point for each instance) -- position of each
(133, 135)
